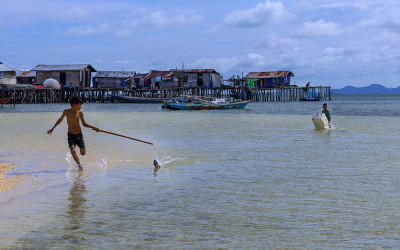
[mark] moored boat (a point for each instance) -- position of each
(196, 103)
(134, 99)
(4, 100)
(312, 99)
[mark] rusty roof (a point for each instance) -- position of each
(155, 73)
(270, 74)
(116, 74)
(195, 70)
(26, 73)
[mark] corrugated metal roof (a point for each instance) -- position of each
(270, 74)
(64, 67)
(116, 74)
(5, 67)
(155, 73)
(26, 73)
(195, 70)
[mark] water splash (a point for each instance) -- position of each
(102, 163)
(167, 160)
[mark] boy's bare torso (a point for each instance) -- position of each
(73, 121)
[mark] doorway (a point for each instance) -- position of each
(63, 78)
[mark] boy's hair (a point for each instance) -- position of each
(75, 100)
(325, 104)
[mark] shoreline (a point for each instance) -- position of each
(10, 182)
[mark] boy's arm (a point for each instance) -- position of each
(57, 122)
(85, 124)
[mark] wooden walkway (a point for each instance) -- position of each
(95, 95)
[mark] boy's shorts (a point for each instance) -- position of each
(76, 139)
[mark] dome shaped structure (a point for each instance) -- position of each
(51, 83)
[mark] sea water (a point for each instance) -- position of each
(261, 177)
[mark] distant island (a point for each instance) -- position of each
(371, 89)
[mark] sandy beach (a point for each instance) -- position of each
(10, 182)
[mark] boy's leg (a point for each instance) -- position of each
(83, 151)
(75, 156)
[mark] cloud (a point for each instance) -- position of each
(318, 28)
(251, 61)
(387, 18)
(88, 30)
(274, 41)
(345, 5)
(123, 32)
(212, 29)
(76, 13)
(159, 19)
(262, 14)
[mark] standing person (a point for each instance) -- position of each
(326, 112)
(75, 137)
(248, 92)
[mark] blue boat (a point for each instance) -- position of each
(192, 103)
(309, 99)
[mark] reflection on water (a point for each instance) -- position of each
(76, 211)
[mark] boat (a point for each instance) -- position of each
(309, 99)
(4, 100)
(312, 96)
(237, 96)
(321, 122)
(134, 99)
(199, 103)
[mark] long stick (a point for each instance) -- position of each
(124, 136)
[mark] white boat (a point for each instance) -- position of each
(321, 122)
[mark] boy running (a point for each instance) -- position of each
(75, 136)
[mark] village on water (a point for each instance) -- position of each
(57, 83)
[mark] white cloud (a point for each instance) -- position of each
(318, 28)
(273, 41)
(88, 30)
(345, 5)
(76, 13)
(385, 17)
(254, 61)
(261, 14)
(212, 30)
(123, 32)
(158, 19)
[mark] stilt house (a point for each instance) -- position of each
(271, 79)
(112, 79)
(69, 75)
(7, 75)
(208, 78)
(26, 77)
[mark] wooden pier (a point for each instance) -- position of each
(96, 95)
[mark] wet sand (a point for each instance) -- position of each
(10, 182)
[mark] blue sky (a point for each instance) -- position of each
(336, 43)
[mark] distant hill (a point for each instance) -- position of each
(371, 89)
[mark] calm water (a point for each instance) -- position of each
(261, 177)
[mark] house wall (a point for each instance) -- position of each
(216, 79)
(26, 80)
(167, 85)
(191, 80)
(73, 78)
(275, 82)
(109, 82)
(8, 78)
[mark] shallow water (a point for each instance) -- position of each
(261, 177)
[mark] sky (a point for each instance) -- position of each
(331, 43)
